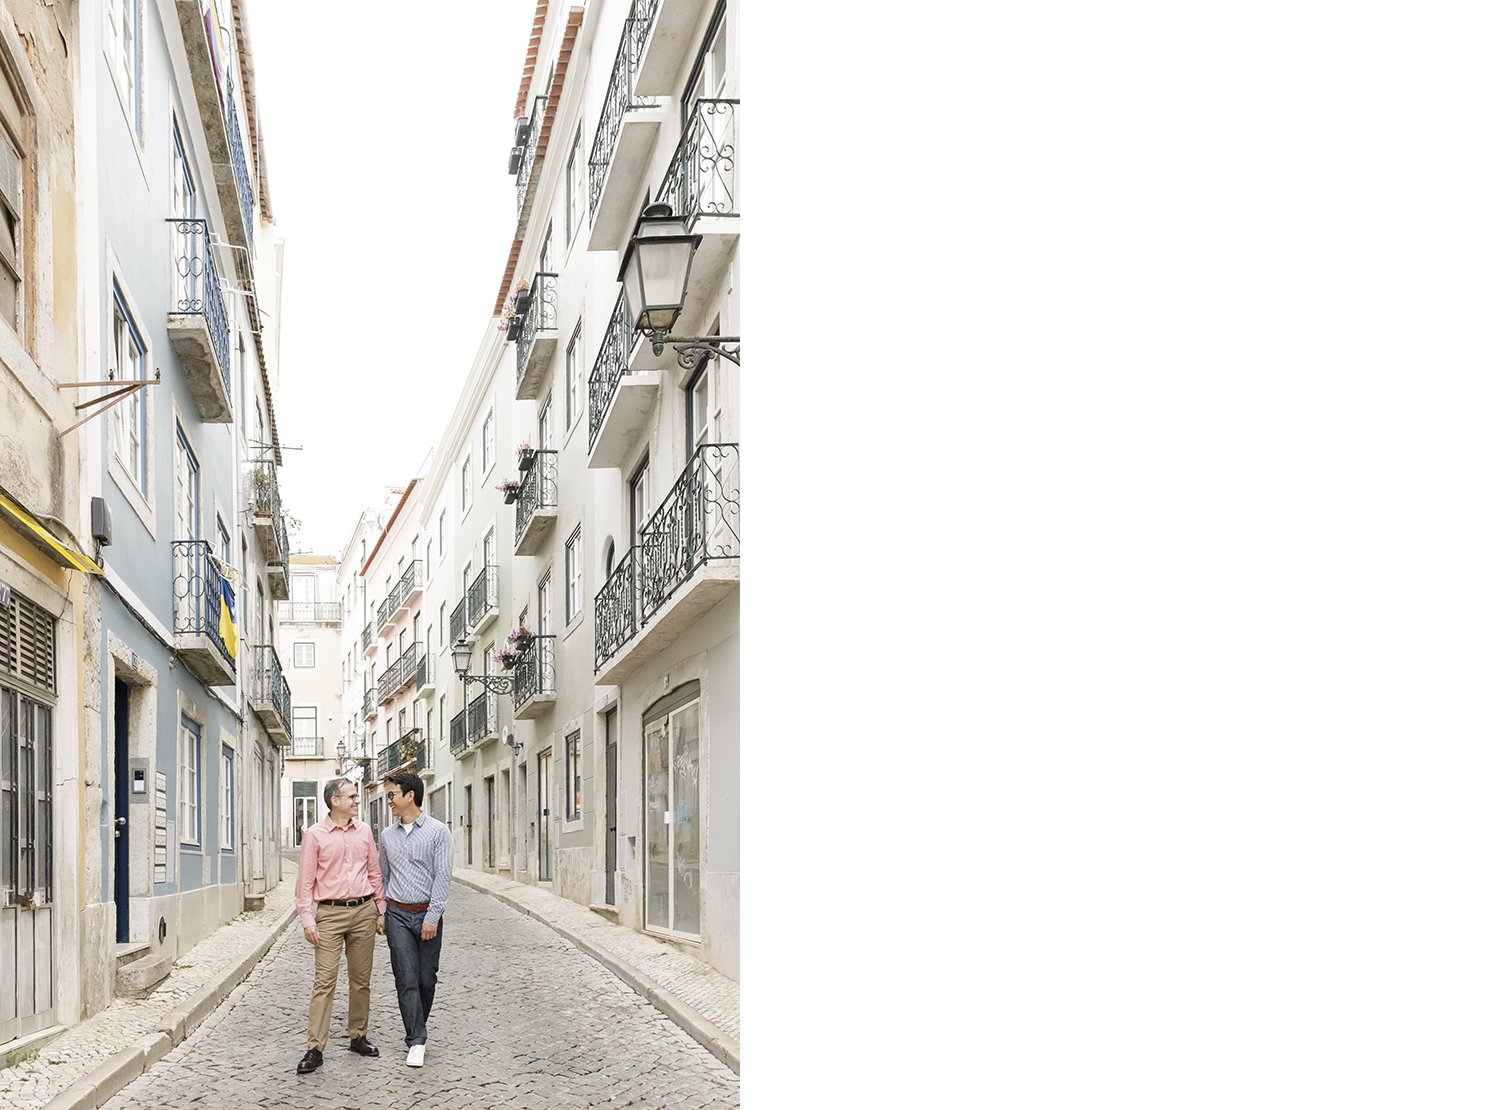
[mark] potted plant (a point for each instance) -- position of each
(508, 658)
(511, 487)
(525, 456)
(520, 639)
(513, 312)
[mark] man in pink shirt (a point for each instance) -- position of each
(339, 869)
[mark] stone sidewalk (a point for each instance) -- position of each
(704, 1002)
(72, 1055)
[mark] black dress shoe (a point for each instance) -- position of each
(363, 1046)
(311, 1062)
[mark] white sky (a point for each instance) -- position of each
(386, 131)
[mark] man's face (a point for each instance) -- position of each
(395, 799)
(346, 801)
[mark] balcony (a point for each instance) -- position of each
(534, 681)
(457, 621)
(623, 141)
(408, 587)
(687, 561)
(458, 732)
(268, 521)
(306, 747)
(620, 400)
(370, 709)
(426, 761)
(701, 185)
(536, 505)
(270, 696)
(367, 642)
(309, 612)
(425, 679)
(483, 598)
(527, 165)
(406, 753)
(197, 323)
(484, 719)
(198, 621)
(385, 685)
(670, 45)
(408, 666)
(538, 337)
(217, 109)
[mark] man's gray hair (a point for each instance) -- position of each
(332, 787)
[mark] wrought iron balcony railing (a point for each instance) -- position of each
(698, 521)
(309, 612)
(700, 179)
(196, 289)
(541, 315)
(609, 366)
(386, 685)
(528, 159)
(386, 613)
(265, 500)
(458, 621)
(366, 638)
(197, 592)
(407, 665)
(615, 617)
(535, 672)
(368, 709)
(484, 593)
(241, 167)
(538, 490)
(484, 716)
(423, 669)
(410, 579)
(458, 731)
(309, 746)
(406, 749)
(268, 682)
(619, 96)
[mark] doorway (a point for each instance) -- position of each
(673, 813)
(25, 864)
(489, 821)
(521, 860)
(543, 817)
(469, 824)
(122, 812)
(611, 781)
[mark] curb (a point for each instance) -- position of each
(127, 1065)
(694, 1024)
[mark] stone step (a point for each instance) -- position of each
(138, 978)
(125, 953)
(254, 902)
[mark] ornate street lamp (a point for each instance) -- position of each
(342, 752)
(463, 652)
(654, 273)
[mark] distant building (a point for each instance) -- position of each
(309, 640)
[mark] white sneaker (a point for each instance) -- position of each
(414, 1055)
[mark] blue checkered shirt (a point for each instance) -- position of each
(417, 866)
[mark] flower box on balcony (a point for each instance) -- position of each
(513, 328)
(518, 152)
(520, 640)
(524, 459)
(512, 490)
(509, 659)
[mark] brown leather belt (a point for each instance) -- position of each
(409, 907)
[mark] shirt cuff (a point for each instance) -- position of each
(308, 921)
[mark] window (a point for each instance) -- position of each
(487, 442)
(442, 531)
(189, 748)
(575, 374)
(544, 425)
(428, 567)
(128, 361)
(572, 779)
(186, 491)
(442, 718)
(442, 621)
(576, 165)
(304, 654)
(573, 573)
(639, 510)
(466, 484)
(13, 147)
(401, 722)
(226, 806)
(544, 605)
(305, 730)
(711, 69)
(124, 19)
(696, 407)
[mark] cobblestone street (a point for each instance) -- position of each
(521, 1019)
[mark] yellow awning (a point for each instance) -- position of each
(33, 530)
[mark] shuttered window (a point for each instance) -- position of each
(28, 641)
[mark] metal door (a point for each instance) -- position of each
(611, 782)
(672, 821)
(544, 817)
(122, 811)
(489, 821)
(469, 825)
(25, 865)
(523, 842)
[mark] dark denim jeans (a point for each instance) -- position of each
(414, 963)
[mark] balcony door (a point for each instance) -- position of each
(185, 526)
(188, 278)
(544, 817)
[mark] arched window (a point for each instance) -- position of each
(609, 557)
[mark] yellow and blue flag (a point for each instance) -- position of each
(226, 616)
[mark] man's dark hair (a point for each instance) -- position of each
(408, 782)
(332, 787)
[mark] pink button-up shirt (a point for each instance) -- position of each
(337, 863)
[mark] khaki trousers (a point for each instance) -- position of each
(338, 927)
